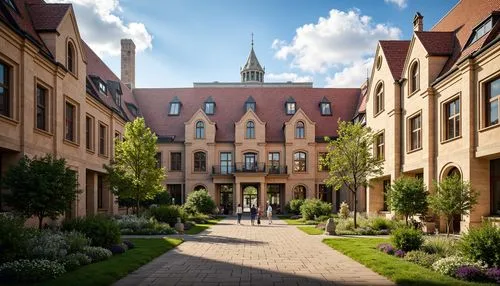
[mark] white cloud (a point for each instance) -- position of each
(351, 76)
(284, 77)
(102, 27)
(400, 3)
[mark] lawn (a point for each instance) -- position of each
(311, 230)
(396, 269)
(197, 228)
(118, 266)
(290, 221)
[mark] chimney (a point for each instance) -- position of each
(128, 63)
(418, 22)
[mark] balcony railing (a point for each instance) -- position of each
(223, 170)
(277, 169)
(250, 167)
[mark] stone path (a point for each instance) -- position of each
(277, 254)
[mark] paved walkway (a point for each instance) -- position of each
(277, 254)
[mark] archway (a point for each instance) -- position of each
(250, 198)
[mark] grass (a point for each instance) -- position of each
(396, 269)
(311, 230)
(290, 221)
(197, 228)
(118, 266)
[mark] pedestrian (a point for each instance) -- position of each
(270, 214)
(239, 212)
(253, 214)
(259, 214)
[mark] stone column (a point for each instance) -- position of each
(237, 189)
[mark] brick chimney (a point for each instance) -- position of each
(418, 22)
(128, 63)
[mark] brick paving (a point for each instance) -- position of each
(229, 254)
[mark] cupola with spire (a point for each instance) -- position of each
(252, 71)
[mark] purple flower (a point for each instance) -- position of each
(399, 253)
(493, 274)
(386, 248)
(469, 273)
(117, 249)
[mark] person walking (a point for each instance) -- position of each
(259, 215)
(239, 213)
(270, 214)
(253, 214)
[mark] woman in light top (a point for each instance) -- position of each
(239, 212)
(270, 214)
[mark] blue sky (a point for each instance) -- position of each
(186, 41)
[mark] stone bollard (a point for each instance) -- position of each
(330, 227)
(179, 226)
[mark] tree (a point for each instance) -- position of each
(408, 196)
(199, 202)
(350, 160)
(134, 174)
(41, 187)
(452, 197)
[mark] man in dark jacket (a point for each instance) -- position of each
(253, 214)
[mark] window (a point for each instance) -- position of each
(118, 99)
(250, 105)
(200, 130)
(209, 108)
(5, 96)
(299, 162)
(41, 108)
(452, 117)
(175, 161)
(274, 162)
(226, 163)
(492, 102)
(200, 162)
(299, 193)
(379, 98)
(100, 192)
(322, 163)
(174, 108)
(250, 162)
(250, 134)
(118, 136)
(158, 159)
(71, 58)
(290, 108)
(414, 78)
(103, 132)
(89, 132)
(379, 62)
(102, 87)
(481, 30)
(70, 122)
(299, 130)
(386, 184)
(326, 108)
(380, 146)
(416, 132)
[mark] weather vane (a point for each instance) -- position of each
(252, 39)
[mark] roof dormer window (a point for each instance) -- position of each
(326, 108)
(250, 104)
(118, 99)
(209, 108)
(480, 30)
(175, 107)
(290, 106)
(102, 87)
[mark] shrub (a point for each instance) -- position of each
(118, 249)
(422, 258)
(399, 253)
(386, 248)
(198, 218)
(440, 245)
(75, 241)
(493, 274)
(313, 208)
(449, 265)
(97, 253)
(199, 202)
(13, 237)
(323, 218)
(470, 273)
(380, 223)
(129, 244)
(293, 206)
(344, 210)
(134, 222)
(24, 270)
(101, 230)
(47, 245)
(75, 260)
(482, 244)
(407, 239)
(168, 214)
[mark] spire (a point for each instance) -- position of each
(252, 71)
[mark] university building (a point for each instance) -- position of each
(434, 102)
(247, 142)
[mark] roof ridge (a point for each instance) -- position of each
(446, 15)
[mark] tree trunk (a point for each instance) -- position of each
(406, 219)
(355, 209)
(40, 221)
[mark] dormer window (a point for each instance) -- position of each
(102, 87)
(482, 29)
(118, 99)
(174, 108)
(290, 108)
(250, 105)
(326, 109)
(209, 108)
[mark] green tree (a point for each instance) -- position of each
(199, 202)
(408, 196)
(134, 173)
(350, 160)
(452, 197)
(41, 187)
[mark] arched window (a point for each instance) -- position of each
(414, 78)
(71, 57)
(199, 188)
(200, 161)
(454, 172)
(379, 98)
(299, 130)
(250, 134)
(299, 162)
(200, 130)
(299, 192)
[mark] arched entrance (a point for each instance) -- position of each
(299, 192)
(250, 197)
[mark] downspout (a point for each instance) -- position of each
(402, 127)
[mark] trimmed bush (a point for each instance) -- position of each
(24, 270)
(118, 249)
(47, 245)
(293, 206)
(482, 244)
(169, 214)
(199, 202)
(131, 224)
(101, 230)
(129, 244)
(314, 208)
(407, 239)
(422, 258)
(493, 274)
(449, 265)
(440, 245)
(75, 241)
(344, 210)
(13, 237)
(380, 223)
(470, 273)
(97, 253)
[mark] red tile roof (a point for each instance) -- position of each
(47, 17)
(437, 43)
(395, 55)
(270, 107)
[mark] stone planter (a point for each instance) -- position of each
(429, 227)
(179, 226)
(330, 227)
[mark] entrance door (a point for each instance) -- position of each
(273, 196)
(226, 199)
(250, 162)
(249, 198)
